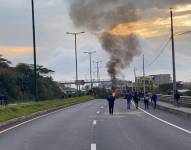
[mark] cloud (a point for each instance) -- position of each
(14, 51)
(56, 50)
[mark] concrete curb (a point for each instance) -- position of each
(13, 122)
(174, 111)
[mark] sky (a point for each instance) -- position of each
(55, 49)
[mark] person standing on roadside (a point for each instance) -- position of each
(146, 101)
(136, 100)
(177, 97)
(154, 100)
(128, 97)
(111, 102)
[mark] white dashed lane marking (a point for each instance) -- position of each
(94, 122)
(93, 146)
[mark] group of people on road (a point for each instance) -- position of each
(147, 98)
(136, 97)
(140, 96)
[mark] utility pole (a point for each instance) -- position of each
(97, 65)
(144, 74)
(90, 55)
(135, 78)
(76, 55)
(173, 55)
(34, 51)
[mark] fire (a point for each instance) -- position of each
(114, 94)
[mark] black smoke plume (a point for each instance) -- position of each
(102, 16)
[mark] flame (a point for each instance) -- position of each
(114, 94)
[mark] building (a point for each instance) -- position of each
(152, 81)
(161, 79)
(139, 84)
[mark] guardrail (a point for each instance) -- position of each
(184, 100)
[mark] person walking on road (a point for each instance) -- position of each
(111, 101)
(154, 100)
(128, 97)
(136, 100)
(146, 101)
(177, 97)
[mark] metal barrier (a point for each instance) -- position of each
(184, 100)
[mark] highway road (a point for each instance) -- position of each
(88, 126)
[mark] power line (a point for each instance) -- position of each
(165, 45)
(160, 53)
(182, 33)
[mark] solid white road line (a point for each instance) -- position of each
(101, 107)
(164, 121)
(20, 124)
(173, 125)
(13, 127)
(98, 112)
(93, 146)
(94, 122)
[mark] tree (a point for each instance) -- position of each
(17, 83)
(4, 63)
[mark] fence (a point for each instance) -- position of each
(184, 100)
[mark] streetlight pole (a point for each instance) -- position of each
(34, 51)
(173, 55)
(76, 54)
(144, 74)
(135, 78)
(97, 65)
(90, 55)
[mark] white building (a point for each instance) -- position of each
(161, 79)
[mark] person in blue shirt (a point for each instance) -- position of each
(128, 97)
(111, 102)
(154, 99)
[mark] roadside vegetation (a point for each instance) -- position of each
(17, 83)
(22, 109)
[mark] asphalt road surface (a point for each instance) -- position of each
(88, 126)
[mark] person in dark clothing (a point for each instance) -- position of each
(136, 100)
(177, 97)
(146, 101)
(1, 100)
(5, 101)
(111, 101)
(128, 97)
(154, 100)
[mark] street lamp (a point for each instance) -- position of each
(90, 55)
(97, 65)
(76, 57)
(34, 51)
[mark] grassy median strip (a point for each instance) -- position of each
(24, 109)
